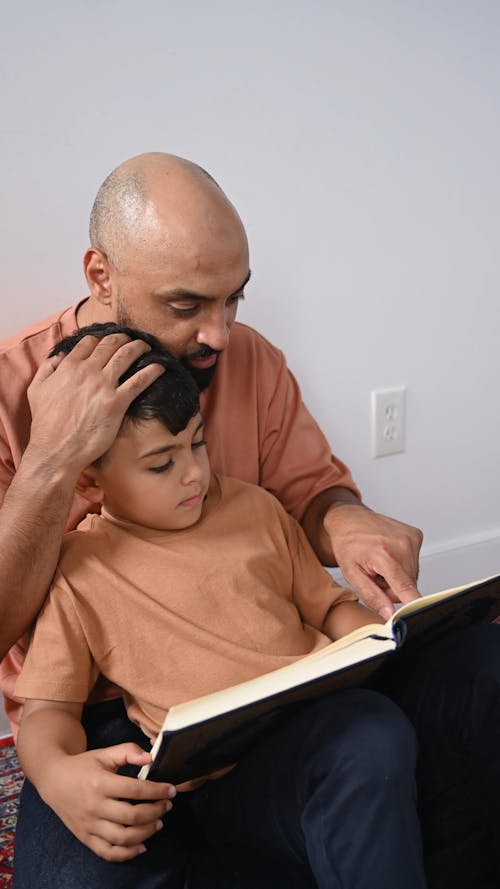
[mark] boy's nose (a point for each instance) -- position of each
(192, 470)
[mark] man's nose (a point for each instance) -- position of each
(214, 331)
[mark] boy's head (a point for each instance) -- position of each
(156, 472)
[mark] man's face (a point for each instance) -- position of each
(186, 297)
(153, 478)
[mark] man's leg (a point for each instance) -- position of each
(451, 694)
(48, 856)
(327, 799)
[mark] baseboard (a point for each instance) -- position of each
(458, 561)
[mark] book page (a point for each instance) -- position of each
(327, 660)
(426, 601)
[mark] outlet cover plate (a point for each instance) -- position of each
(388, 421)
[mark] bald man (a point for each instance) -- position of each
(168, 255)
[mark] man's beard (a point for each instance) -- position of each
(202, 376)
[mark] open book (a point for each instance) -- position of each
(210, 732)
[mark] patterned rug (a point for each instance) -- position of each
(11, 779)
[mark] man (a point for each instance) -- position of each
(169, 254)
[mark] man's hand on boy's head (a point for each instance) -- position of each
(77, 404)
(111, 814)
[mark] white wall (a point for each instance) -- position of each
(360, 142)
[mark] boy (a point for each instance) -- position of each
(184, 584)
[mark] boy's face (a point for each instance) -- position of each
(154, 478)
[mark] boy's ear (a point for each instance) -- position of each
(89, 487)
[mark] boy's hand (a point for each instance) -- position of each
(111, 814)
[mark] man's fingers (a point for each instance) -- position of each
(400, 587)
(369, 592)
(98, 349)
(116, 351)
(381, 585)
(115, 354)
(46, 369)
(140, 381)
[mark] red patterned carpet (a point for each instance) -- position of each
(11, 779)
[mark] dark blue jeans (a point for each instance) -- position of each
(451, 694)
(326, 800)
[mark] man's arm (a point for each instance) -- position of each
(111, 814)
(378, 556)
(77, 407)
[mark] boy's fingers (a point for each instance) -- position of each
(121, 787)
(137, 815)
(125, 836)
(113, 853)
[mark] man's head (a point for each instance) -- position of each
(169, 254)
(156, 472)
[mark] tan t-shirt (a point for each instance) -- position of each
(257, 429)
(172, 615)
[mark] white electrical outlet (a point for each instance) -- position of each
(388, 421)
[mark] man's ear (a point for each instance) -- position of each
(88, 486)
(98, 273)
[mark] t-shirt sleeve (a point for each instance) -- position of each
(314, 590)
(296, 459)
(59, 665)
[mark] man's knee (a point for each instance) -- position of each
(366, 731)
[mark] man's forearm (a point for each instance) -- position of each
(313, 521)
(32, 521)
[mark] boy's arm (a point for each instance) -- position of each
(111, 814)
(321, 602)
(344, 617)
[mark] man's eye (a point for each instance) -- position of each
(199, 444)
(163, 468)
(184, 311)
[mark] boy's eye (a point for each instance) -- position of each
(163, 468)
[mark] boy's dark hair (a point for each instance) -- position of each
(173, 398)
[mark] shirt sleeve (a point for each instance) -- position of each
(296, 459)
(59, 665)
